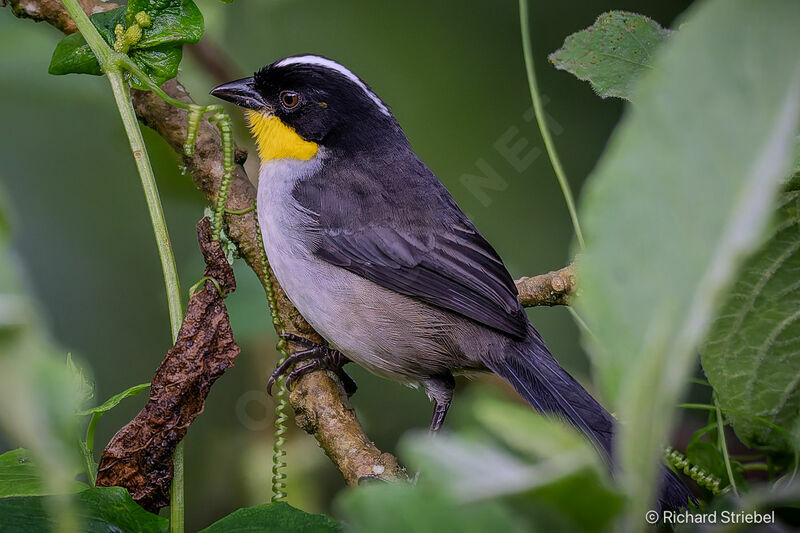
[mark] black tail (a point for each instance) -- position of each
(539, 379)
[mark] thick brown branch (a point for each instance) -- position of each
(319, 401)
(53, 12)
(324, 412)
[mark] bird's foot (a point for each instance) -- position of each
(321, 358)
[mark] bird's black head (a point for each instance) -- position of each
(321, 101)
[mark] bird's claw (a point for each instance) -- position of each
(327, 359)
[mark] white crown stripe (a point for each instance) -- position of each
(333, 65)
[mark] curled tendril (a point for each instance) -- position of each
(196, 113)
(224, 125)
(703, 478)
(223, 122)
(278, 464)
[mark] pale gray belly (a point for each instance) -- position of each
(387, 333)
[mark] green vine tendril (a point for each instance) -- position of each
(281, 409)
(192, 125)
(194, 289)
(224, 125)
(223, 122)
(705, 479)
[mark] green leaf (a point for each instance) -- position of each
(114, 400)
(160, 63)
(707, 456)
(682, 194)
(793, 184)
(106, 21)
(276, 517)
(158, 52)
(172, 21)
(421, 509)
(21, 476)
(564, 490)
(530, 434)
(752, 354)
(84, 388)
(73, 55)
(102, 509)
(580, 498)
(87, 447)
(611, 53)
(38, 401)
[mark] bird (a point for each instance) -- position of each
(374, 252)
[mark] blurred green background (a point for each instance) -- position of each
(453, 74)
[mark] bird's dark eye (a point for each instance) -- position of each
(290, 99)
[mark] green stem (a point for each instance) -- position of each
(122, 96)
(735, 412)
(708, 429)
(112, 64)
(723, 446)
(176, 502)
(90, 431)
(281, 409)
(755, 466)
(540, 119)
(99, 47)
(134, 69)
(579, 320)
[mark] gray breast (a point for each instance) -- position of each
(387, 333)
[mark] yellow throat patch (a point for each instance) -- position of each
(276, 140)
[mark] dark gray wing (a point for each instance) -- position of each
(408, 235)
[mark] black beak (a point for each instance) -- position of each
(240, 92)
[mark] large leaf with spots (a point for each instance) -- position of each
(683, 194)
(752, 356)
(612, 53)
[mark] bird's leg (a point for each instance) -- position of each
(322, 358)
(440, 389)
